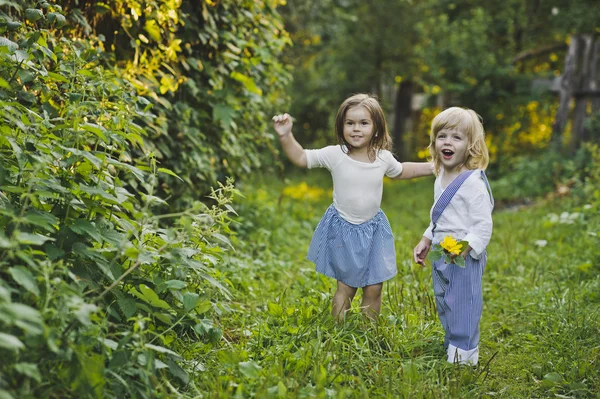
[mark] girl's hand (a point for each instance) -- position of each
(421, 250)
(282, 124)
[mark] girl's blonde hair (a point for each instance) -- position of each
(468, 122)
(381, 139)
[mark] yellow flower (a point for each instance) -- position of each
(304, 192)
(451, 245)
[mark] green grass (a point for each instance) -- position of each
(539, 330)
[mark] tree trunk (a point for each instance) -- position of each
(583, 86)
(566, 90)
(594, 77)
(402, 114)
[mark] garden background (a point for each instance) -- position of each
(153, 235)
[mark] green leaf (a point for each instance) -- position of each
(33, 14)
(171, 285)
(248, 83)
(459, 261)
(164, 317)
(53, 251)
(92, 372)
(137, 172)
(5, 242)
(13, 25)
(47, 52)
(45, 220)
(19, 311)
(178, 372)
(190, 300)
(59, 19)
(552, 379)
(215, 335)
(148, 295)
(161, 349)
(30, 370)
(203, 327)
(5, 85)
(86, 73)
(169, 172)
(223, 113)
(223, 239)
(85, 227)
(153, 30)
(25, 279)
(58, 77)
(128, 306)
(32, 239)
(93, 191)
(10, 342)
(96, 129)
(89, 253)
(275, 309)
(250, 369)
(5, 395)
(10, 45)
(203, 307)
(436, 254)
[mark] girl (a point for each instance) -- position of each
(463, 209)
(353, 242)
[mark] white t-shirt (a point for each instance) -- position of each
(357, 186)
(467, 217)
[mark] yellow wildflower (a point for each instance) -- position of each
(304, 192)
(451, 245)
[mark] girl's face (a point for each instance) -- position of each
(358, 127)
(451, 146)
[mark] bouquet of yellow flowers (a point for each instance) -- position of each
(448, 247)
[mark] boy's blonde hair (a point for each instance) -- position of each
(468, 122)
(381, 139)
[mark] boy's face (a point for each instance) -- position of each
(451, 146)
(358, 127)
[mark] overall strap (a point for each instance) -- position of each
(487, 183)
(447, 196)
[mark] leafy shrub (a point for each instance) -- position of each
(212, 71)
(534, 176)
(96, 286)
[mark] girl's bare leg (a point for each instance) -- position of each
(341, 300)
(371, 301)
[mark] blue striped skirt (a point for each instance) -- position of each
(355, 254)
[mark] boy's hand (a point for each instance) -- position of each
(282, 124)
(463, 254)
(421, 250)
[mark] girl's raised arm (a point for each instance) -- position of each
(410, 170)
(293, 149)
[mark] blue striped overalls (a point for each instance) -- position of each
(458, 291)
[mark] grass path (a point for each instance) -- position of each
(539, 333)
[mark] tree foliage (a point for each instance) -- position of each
(483, 55)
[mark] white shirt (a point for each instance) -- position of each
(467, 217)
(357, 186)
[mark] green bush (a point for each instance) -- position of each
(212, 71)
(535, 176)
(97, 287)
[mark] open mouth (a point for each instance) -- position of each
(447, 153)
